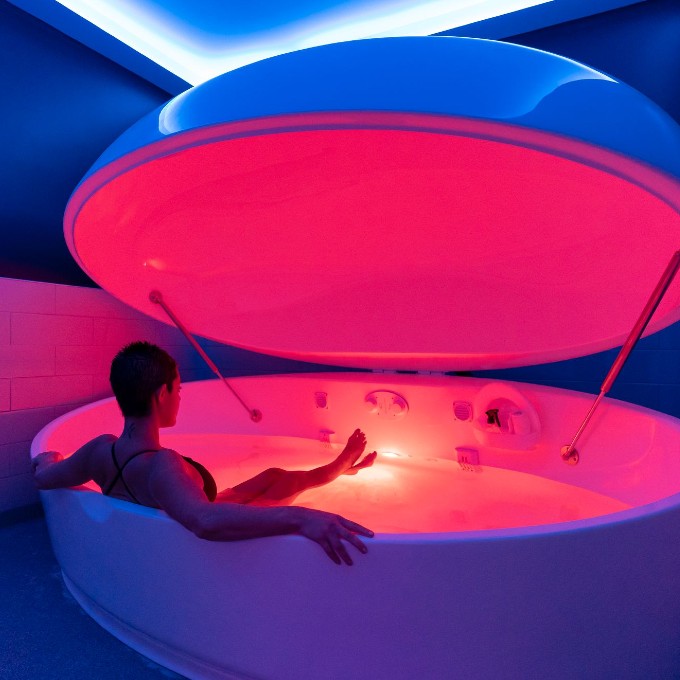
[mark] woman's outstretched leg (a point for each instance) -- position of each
(276, 486)
(252, 488)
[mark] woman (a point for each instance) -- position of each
(135, 467)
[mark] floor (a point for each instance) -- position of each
(44, 634)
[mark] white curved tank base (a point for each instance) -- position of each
(582, 585)
(144, 644)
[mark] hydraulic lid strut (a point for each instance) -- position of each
(569, 453)
(156, 297)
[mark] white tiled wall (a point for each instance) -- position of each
(56, 346)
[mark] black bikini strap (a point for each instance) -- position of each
(120, 468)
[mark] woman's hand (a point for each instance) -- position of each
(329, 531)
(45, 458)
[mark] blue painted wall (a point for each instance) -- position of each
(62, 105)
(639, 45)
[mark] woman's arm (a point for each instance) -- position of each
(52, 471)
(176, 493)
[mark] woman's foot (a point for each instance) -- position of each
(352, 452)
(368, 460)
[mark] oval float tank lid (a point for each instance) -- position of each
(407, 203)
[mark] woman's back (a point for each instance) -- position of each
(123, 469)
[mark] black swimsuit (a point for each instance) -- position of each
(209, 485)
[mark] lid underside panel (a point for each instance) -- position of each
(391, 248)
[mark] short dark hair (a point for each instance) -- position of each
(137, 371)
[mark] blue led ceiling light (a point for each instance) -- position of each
(196, 40)
(200, 40)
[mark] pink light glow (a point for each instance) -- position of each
(406, 494)
(420, 488)
(411, 495)
(396, 248)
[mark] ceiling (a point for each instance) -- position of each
(175, 43)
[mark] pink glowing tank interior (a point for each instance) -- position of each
(419, 484)
(401, 493)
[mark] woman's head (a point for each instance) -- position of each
(138, 372)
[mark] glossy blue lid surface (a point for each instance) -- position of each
(465, 77)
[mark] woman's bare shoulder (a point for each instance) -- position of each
(168, 454)
(168, 464)
(173, 483)
(168, 459)
(103, 441)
